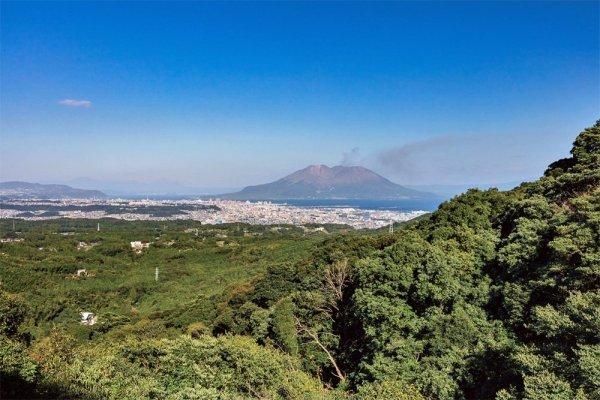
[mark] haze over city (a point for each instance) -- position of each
(224, 95)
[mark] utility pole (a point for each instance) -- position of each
(156, 274)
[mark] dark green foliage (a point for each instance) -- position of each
(495, 293)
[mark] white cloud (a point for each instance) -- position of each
(75, 103)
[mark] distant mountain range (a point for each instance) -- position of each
(311, 183)
(17, 189)
(323, 182)
(129, 189)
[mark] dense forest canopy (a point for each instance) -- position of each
(496, 295)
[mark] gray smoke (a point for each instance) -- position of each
(469, 158)
(351, 158)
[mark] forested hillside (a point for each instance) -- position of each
(496, 295)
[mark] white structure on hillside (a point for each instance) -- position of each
(88, 318)
(138, 245)
(11, 240)
(82, 272)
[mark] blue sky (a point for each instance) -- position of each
(230, 94)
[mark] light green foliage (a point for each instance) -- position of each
(589, 367)
(386, 390)
(547, 386)
(14, 361)
(17, 369)
(120, 286)
(196, 276)
(12, 313)
(284, 326)
(184, 368)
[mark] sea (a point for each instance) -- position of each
(365, 204)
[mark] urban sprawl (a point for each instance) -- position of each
(205, 211)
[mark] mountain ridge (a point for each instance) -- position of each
(20, 189)
(320, 181)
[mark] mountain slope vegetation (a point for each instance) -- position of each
(496, 295)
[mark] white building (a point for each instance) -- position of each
(138, 245)
(88, 318)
